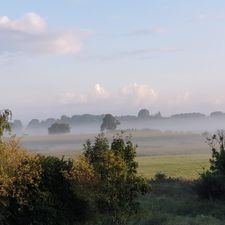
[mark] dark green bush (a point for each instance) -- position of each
(211, 184)
(160, 177)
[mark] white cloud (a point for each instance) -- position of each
(30, 23)
(139, 94)
(99, 91)
(133, 94)
(31, 35)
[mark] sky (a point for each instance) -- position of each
(94, 56)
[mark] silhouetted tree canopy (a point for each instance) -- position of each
(109, 123)
(34, 123)
(59, 128)
(143, 114)
(17, 125)
(217, 114)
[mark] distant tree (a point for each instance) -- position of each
(65, 119)
(33, 124)
(59, 128)
(109, 123)
(5, 117)
(158, 115)
(188, 116)
(17, 125)
(47, 123)
(217, 114)
(143, 114)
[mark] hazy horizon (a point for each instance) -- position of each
(82, 56)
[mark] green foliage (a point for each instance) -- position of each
(160, 176)
(59, 203)
(5, 116)
(211, 184)
(102, 185)
(59, 128)
(38, 190)
(109, 123)
(94, 152)
(119, 183)
(19, 180)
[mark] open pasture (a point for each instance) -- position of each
(178, 154)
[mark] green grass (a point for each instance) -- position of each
(185, 166)
(178, 154)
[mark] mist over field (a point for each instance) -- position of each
(173, 130)
(204, 124)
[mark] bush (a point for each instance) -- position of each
(211, 184)
(39, 190)
(160, 177)
(20, 176)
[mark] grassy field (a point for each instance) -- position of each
(185, 166)
(178, 154)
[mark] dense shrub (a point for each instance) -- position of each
(39, 190)
(160, 177)
(20, 176)
(211, 184)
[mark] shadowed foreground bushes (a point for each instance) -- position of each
(174, 201)
(211, 184)
(101, 187)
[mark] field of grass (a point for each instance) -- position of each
(178, 154)
(185, 166)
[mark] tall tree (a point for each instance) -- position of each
(119, 182)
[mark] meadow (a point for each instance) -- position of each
(180, 156)
(177, 154)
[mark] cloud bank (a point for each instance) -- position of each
(134, 94)
(31, 35)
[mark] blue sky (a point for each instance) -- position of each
(94, 56)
